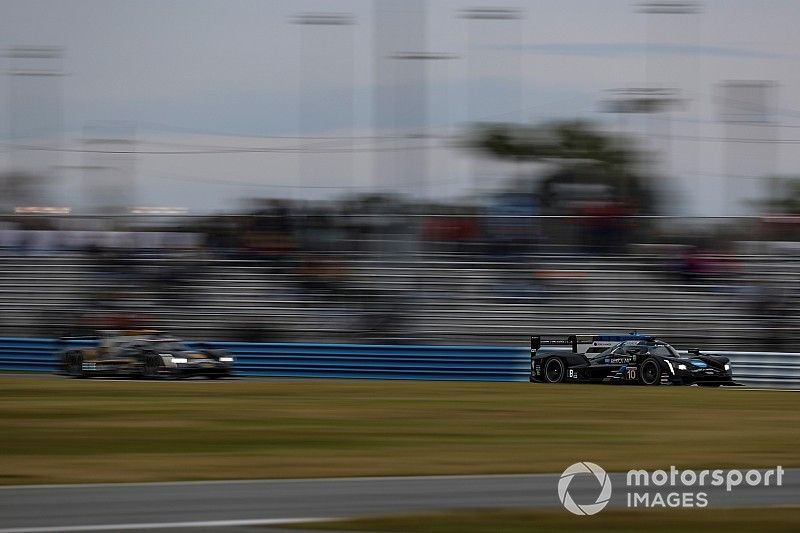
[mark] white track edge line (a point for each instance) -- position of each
(164, 525)
(273, 480)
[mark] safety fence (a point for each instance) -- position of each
(413, 362)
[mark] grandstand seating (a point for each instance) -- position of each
(412, 297)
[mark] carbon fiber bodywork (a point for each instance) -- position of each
(626, 359)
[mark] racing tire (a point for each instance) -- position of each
(650, 372)
(151, 366)
(73, 365)
(554, 370)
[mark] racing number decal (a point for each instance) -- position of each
(572, 374)
(631, 372)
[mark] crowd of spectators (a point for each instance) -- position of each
(315, 249)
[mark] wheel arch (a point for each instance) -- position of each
(546, 365)
(661, 365)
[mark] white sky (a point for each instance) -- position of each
(216, 72)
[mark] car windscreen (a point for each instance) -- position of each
(608, 351)
(617, 349)
(663, 350)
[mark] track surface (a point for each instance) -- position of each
(226, 504)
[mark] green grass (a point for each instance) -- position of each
(763, 520)
(62, 430)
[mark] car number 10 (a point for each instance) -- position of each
(631, 373)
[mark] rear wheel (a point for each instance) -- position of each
(554, 370)
(151, 367)
(650, 372)
(73, 362)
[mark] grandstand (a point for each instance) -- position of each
(417, 297)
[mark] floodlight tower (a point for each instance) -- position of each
(327, 63)
(509, 19)
(109, 164)
(35, 115)
(662, 73)
(400, 106)
(750, 148)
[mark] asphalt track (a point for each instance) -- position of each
(223, 505)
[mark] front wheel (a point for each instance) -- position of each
(650, 372)
(554, 370)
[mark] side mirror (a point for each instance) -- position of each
(694, 351)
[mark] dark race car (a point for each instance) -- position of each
(625, 359)
(142, 354)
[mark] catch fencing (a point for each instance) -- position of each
(412, 362)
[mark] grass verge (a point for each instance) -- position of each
(63, 430)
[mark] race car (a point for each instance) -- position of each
(142, 354)
(624, 359)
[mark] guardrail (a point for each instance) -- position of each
(415, 362)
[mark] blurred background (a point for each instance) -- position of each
(401, 170)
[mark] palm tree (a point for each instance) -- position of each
(581, 153)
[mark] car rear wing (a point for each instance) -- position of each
(582, 343)
(554, 341)
(62, 342)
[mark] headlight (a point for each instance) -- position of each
(681, 367)
(178, 360)
(727, 366)
(226, 359)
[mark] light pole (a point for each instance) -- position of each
(325, 66)
(483, 15)
(422, 135)
(746, 110)
(35, 104)
(487, 14)
(400, 98)
(640, 101)
(652, 8)
(656, 81)
(110, 165)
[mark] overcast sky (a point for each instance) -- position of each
(214, 72)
